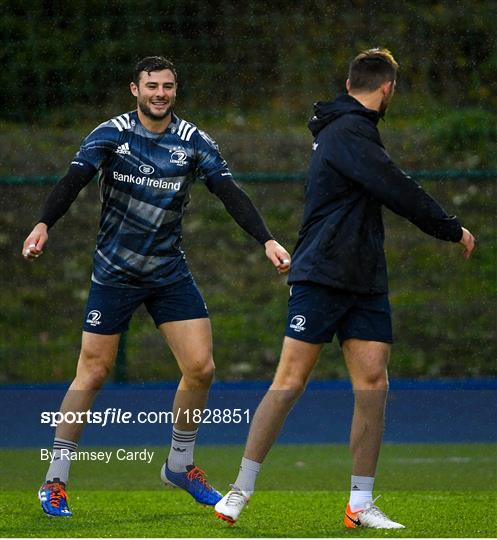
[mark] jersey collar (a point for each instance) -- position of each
(171, 128)
(173, 125)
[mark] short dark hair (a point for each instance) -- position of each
(371, 68)
(153, 63)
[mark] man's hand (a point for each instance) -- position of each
(278, 255)
(33, 245)
(468, 241)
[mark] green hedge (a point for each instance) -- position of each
(241, 56)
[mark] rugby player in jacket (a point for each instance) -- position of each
(148, 161)
(339, 279)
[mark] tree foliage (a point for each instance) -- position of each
(245, 55)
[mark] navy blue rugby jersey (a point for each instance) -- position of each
(145, 180)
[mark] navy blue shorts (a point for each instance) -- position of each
(316, 312)
(109, 309)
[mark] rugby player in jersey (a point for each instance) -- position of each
(148, 160)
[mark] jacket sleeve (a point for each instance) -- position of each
(358, 154)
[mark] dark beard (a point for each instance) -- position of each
(147, 112)
(384, 106)
(383, 109)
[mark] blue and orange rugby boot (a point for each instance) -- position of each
(53, 498)
(193, 481)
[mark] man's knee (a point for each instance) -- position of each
(93, 368)
(296, 363)
(373, 379)
(201, 371)
(288, 387)
(367, 364)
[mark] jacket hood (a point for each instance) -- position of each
(328, 111)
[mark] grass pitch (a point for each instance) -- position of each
(435, 490)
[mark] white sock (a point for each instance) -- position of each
(247, 476)
(59, 468)
(361, 491)
(181, 453)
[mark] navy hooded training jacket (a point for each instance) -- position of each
(350, 177)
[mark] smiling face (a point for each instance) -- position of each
(155, 94)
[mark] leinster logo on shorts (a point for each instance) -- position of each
(297, 323)
(93, 318)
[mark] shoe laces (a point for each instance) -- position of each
(198, 474)
(371, 508)
(57, 493)
(235, 497)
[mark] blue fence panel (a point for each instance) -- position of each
(417, 412)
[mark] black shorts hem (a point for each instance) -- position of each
(191, 318)
(106, 332)
(314, 341)
(341, 339)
